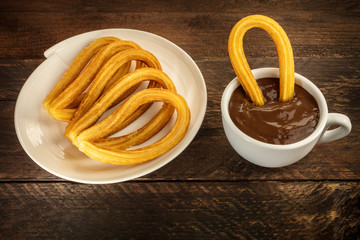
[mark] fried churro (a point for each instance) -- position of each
(93, 114)
(144, 154)
(241, 66)
(81, 73)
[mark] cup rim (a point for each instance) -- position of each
(299, 80)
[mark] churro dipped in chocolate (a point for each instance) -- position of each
(241, 66)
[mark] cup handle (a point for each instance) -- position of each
(342, 124)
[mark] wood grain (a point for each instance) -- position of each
(337, 79)
(314, 29)
(166, 210)
(208, 191)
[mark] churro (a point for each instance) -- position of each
(80, 74)
(241, 66)
(144, 154)
(106, 73)
(81, 60)
(93, 114)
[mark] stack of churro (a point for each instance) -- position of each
(102, 77)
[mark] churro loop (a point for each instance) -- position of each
(109, 69)
(76, 67)
(241, 66)
(105, 74)
(144, 154)
(77, 78)
(104, 128)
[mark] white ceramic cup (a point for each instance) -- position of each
(272, 155)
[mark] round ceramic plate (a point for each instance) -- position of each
(43, 137)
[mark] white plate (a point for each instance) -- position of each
(43, 137)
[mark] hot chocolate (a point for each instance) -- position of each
(275, 122)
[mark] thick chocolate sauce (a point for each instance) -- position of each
(275, 122)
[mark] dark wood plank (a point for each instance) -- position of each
(166, 210)
(194, 6)
(212, 6)
(337, 78)
(315, 30)
(13, 74)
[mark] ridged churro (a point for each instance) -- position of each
(241, 66)
(93, 114)
(78, 77)
(106, 73)
(144, 154)
(81, 60)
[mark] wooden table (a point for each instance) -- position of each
(208, 192)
